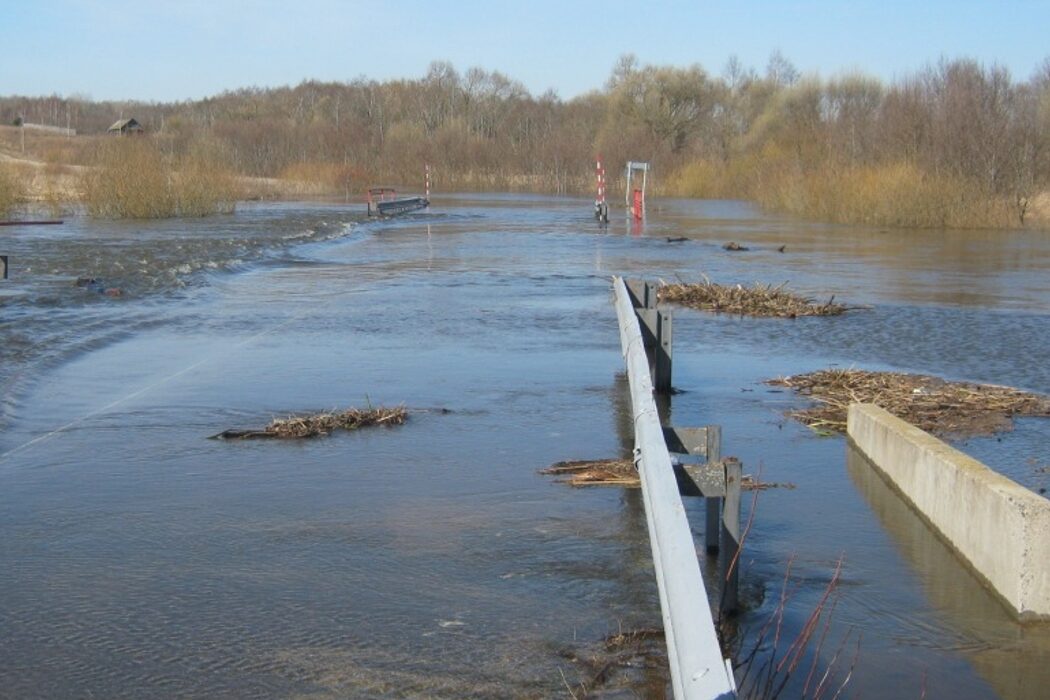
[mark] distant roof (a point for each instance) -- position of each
(125, 125)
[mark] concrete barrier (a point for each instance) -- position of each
(1001, 529)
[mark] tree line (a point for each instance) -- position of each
(919, 151)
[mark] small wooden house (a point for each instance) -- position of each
(123, 127)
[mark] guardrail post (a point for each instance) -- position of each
(3, 267)
(657, 335)
(662, 353)
(643, 294)
(729, 565)
(713, 505)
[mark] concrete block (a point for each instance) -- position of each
(1000, 528)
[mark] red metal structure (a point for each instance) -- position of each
(637, 195)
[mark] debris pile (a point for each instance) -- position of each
(757, 300)
(598, 472)
(312, 425)
(957, 409)
(621, 472)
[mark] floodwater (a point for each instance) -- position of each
(141, 559)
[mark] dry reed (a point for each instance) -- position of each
(313, 425)
(135, 179)
(12, 191)
(930, 403)
(899, 194)
(758, 300)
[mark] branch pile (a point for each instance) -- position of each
(958, 409)
(758, 300)
(312, 425)
(598, 472)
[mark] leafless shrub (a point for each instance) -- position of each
(134, 178)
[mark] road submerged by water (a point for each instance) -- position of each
(140, 558)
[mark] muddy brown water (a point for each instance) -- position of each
(140, 558)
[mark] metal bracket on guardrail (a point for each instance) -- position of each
(717, 481)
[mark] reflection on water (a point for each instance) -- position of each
(140, 558)
(1014, 658)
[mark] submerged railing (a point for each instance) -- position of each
(698, 669)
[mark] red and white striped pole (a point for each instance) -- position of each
(601, 182)
(601, 209)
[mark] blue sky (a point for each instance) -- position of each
(175, 50)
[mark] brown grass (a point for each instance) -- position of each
(930, 403)
(12, 191)
(897, 194)
(323, 423)
(318, 179)
(135, 179)
(758, 300)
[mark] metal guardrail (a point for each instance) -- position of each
(698, 669)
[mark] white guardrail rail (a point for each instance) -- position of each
(698, 669)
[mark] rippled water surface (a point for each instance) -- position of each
(141, 559)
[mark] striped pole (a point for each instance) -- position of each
(428, 181)
(601, 181)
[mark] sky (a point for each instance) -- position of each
(169, 50)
